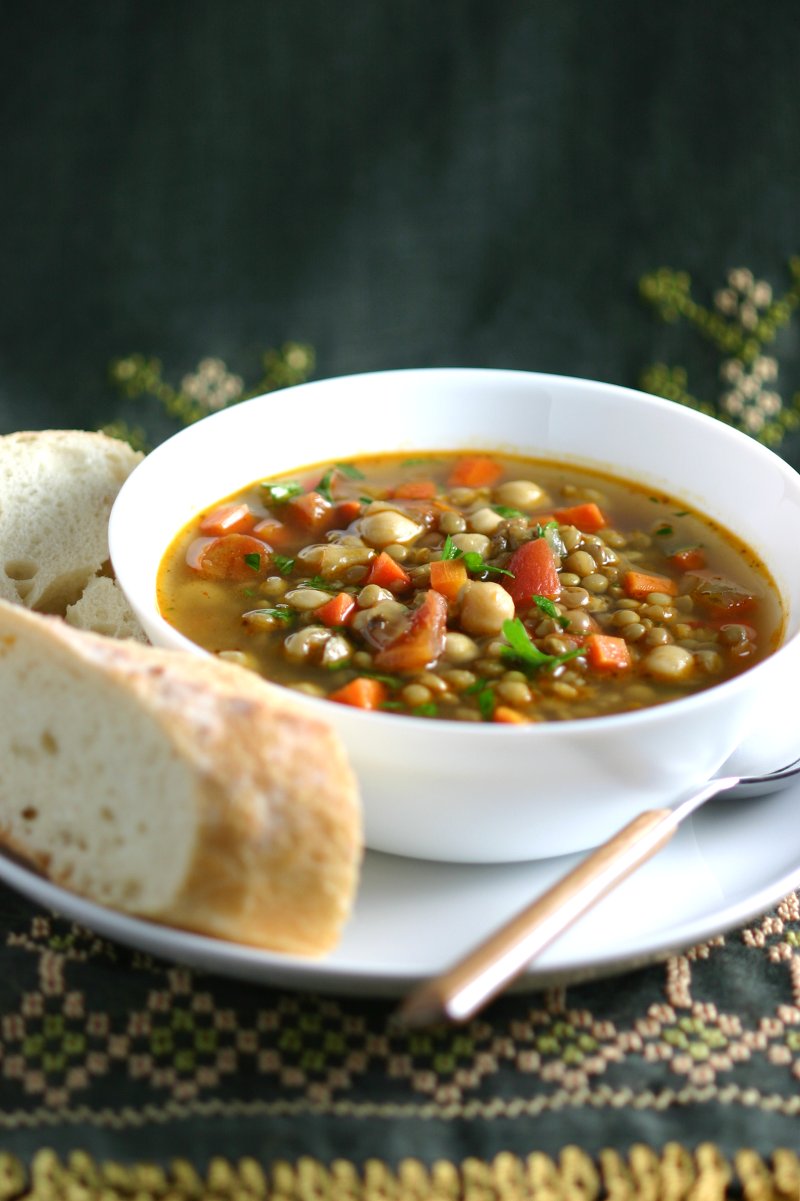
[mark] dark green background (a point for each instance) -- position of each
(414, 182)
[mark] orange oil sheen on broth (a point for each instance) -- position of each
(470, 586)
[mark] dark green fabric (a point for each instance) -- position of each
(405, 183)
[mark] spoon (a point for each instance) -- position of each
(463, 989)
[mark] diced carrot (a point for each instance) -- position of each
(509, 716)
(606, 652)
(228, 519)
(448, 576)
(475, 471)
(421, 640)
(639, 584)
(231, 557)
(587, 517)
(534, 574)
(362, 693)
(337, 610)
(346, 511)
(416, 490)
(311, 511)
(274, 532)
(688, 558)
(387, 573)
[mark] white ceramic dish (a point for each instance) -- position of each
(728, 864)
(488, 793)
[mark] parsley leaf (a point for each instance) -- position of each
(473, 561)
(484, 696)
(663, 531)
(522, 648)
(324, 485)
(317, 581)
(285, 615)
(427, 710)
(279, 494)
(283, 564)
(506, 511)
(253, 561)
(547, 607)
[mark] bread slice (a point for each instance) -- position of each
(174, 787)
(56, 492)
(103, 608)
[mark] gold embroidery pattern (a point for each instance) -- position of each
(187, 1044)
(744, 320)
(674, 1174)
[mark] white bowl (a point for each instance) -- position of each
(493, 793)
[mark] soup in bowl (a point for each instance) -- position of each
(531, 606)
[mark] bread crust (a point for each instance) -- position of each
(277, 841)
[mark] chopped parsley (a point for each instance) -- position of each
(427, 710)
(549, 609)
(279, 494)
(473, 561)
(663, 531)
(506, 511)
(324, 485)
(285, 615)
(317, 581)
(484, 697)
(521, 648)
(283, 564)
(253, 561)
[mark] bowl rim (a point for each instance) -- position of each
(566, 728)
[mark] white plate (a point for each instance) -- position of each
(730, 862)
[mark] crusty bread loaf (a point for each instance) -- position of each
(173, 787)
(56, 492)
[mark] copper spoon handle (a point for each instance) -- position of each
(459, 992)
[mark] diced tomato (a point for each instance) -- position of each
(346, 511)
(639, 584)
(231, 557)
(336, 611)
(448, 576)
(228, 519)
(720, 596)
(311, 511)
(416, 490)
(587, 517)
(688, 558)
(475, 471)
(362, 693)
(421, 640)
(274, 532)
(535, 574)
(387, 573)
(509, 717)
(606, 652)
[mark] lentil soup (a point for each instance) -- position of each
(471, 587)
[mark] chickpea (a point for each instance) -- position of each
(452, 523)
(305, 599)
(458, 648)
(669, 663)
(372, 594)
(484, 607)
(274, 586)
(472, 542)
(483, 521)
(386, 527)
(519, 494)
